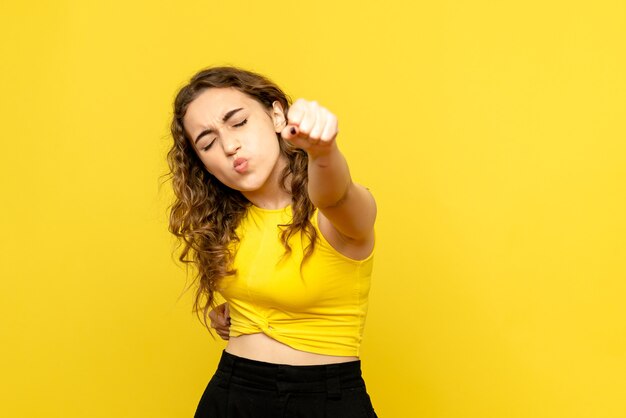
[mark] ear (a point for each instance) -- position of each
(278, 117)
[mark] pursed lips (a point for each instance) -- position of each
(240, 165)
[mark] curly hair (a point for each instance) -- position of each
(205, 213)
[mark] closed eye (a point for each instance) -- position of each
(206, 148)
(238, 125)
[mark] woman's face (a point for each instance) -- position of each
(235, 137)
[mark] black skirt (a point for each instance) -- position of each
(244, 388)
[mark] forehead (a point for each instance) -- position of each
(211, 105)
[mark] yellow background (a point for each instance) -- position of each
(491, 133)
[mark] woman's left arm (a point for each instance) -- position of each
(349, 207)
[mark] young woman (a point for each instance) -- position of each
(267, 212)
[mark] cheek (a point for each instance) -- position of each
(269, 152)
(270, 145)
(210, 162)
(264, 144)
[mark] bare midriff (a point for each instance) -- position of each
(261, 347)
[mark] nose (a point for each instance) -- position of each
(230, 144)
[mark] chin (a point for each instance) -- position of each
(248, 185)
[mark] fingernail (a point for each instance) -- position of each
(293, 130)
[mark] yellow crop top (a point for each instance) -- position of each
(321, 311)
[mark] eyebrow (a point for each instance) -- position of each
(227, 116)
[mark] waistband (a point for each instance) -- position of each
(329, 378)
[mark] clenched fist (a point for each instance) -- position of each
(311, 127)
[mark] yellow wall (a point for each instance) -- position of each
(491, 132)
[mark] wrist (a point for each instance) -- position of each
(324, 156)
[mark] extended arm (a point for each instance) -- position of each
(349, 207)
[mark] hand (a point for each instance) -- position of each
(220, 320)
(311, 127)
